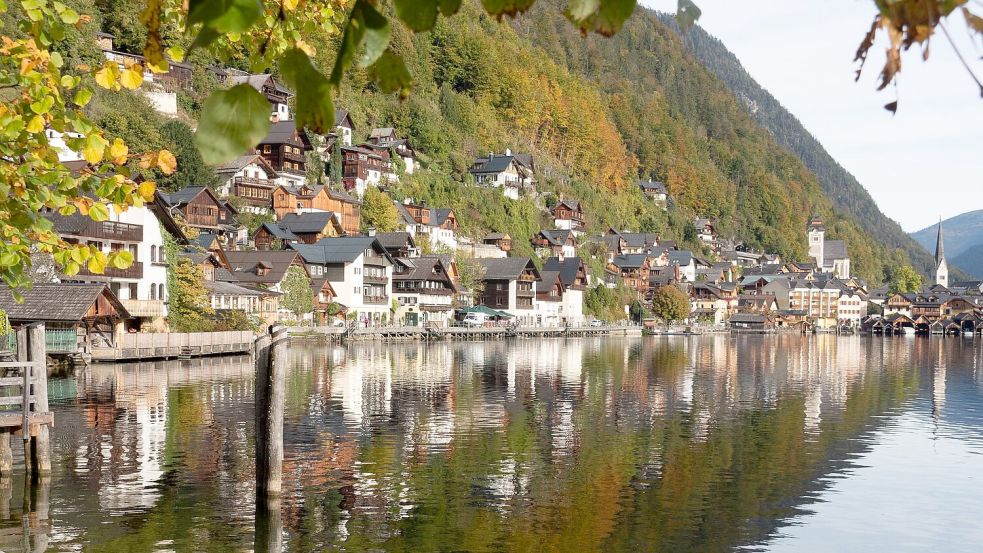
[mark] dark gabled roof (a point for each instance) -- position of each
(282, 132)
(506, 268)
(680, 257)
(75, 223)
(341, 115)
(558, 237)
(639, 239)
(548, 279)
(422, 268)
(629, 261)
(278, 232)
(231, 289)
(568, 268)
(652, 186)
(343, 196)
(57, 302)
(257, 81)
(748, 318)
(243, 266)
(494, 164)
(364, 149)
(835, 249)
(183, 196)
(310, 222)
(338, 250)
(204, 240)
(439, 216)
(395, 240)
(240, 162)
(573, 205)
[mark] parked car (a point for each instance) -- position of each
(596, 322)
(475, 319)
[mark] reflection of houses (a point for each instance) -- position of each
(77, 317)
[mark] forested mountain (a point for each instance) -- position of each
(597, 114)
(963, 240)
(842, 188)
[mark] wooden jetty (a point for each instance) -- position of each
(24, 403)
(175, 345)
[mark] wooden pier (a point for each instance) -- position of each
(462, 333)
(24, 403)
(175, 345)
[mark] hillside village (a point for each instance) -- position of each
(267, 222)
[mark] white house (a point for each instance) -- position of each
(504, 171)
(141, 287)
(424, 290)
(851, 307)
(251, 179)
(573, 274)
(359, 270)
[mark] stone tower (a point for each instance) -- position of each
(941, 268)
(817, 237)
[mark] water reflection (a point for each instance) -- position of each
(654, 444)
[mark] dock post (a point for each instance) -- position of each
(271, 368)
(40, 441)
(23, 354)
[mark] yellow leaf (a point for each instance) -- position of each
(36, 124)
(290, 5)
(107, 76)
(148, 160)
(118, 151)
(94, 148)
(97, 263)
(99, 212)
(166, 162)
(306, 48)
(132, 77)
(83, 205)
(146, 190)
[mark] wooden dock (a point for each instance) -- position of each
(462, 333)
(176, 345)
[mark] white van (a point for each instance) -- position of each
(475, 319)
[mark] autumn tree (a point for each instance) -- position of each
(379, 212)
(298, 296)
(471, 274)
(905, 279)
(670, 304)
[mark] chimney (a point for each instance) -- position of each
(371, 231)
(508, 151)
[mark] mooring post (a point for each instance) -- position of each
(40, 440)
(271, 369)
(23, 354)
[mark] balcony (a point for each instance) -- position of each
(199, 220)
(372, 279)
(111, 230)
(144, 308)
(134, 271)
(524, 293)
(375, 300)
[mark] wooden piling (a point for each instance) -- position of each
(271, 369)
(40, 439)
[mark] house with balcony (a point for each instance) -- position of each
(398, 244)
(424, 290)
(251, 179)
(399, 148)
(633, 271)
(306, 198)
(549, 299)
(141, 287)
(510, 285)
(555, 243)
(278, 95)
(505, 171)
(362, 167)
(573, 274)
(569, 215)
(713, 304)
(655, 191)
(262, 271)
(285, 149)
(437, 226)
(201, 209)
(306, 228)
(359, 269)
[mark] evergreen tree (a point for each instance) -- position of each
(191, 170)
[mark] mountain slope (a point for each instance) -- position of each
(971, 261)
(842, 188)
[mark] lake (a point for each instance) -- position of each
(712, 443)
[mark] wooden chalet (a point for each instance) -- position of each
(284, 148)
(633, 270)
(77, 317)
(202, 209)
(569, 214)
(499, 239)
(296, 199)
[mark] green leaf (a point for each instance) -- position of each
(69, 16)
(121, 259)
(83, 96)
(606, 19)
(232, 122)
(314, 110)
(390, 74)
(225, 16)
(506, 7)
(419, 15)
(367, 28)
(99, 212)
(687, 13)
(449, 7)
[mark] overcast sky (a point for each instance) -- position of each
(924, 162)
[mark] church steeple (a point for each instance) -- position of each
(941, 267)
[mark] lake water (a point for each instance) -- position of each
(714, 443)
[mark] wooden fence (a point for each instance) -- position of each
(162, 345)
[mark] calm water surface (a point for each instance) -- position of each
(777, 443)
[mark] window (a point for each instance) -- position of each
(153, 254)
(132, 290)
(153, 292)
(160, 291)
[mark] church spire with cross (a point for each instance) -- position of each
(941, 268)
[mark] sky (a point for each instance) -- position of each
(922, 163)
